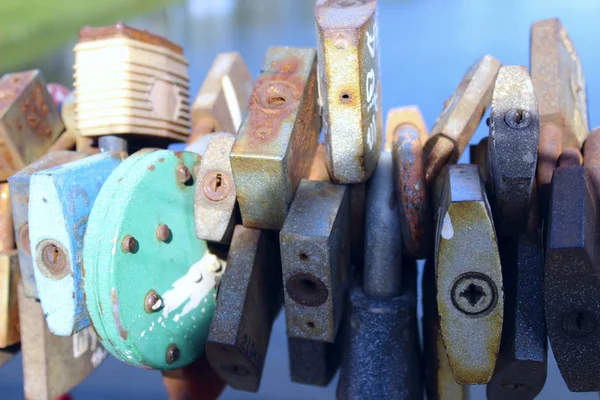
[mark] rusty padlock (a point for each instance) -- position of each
(350, 90)
(278, 138)
(460, 117)
(406, 134)
(248, 300)
(385, 307)
(513, 148)
(142, 90)
(469, 280)
(315, 260)
(571, 282)
(29, 121)
(521, 369)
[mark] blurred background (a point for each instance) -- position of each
(426, 47)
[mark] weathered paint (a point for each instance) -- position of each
(315, 258)
(278, 137)
(472, 340)
(460, 117)
(134, 201)
(29, 120)
(19, 199)
(350, 89)
(53, 365)
(60, 201)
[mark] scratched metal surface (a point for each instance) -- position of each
(425, 51)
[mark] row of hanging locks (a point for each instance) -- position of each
(181, 260)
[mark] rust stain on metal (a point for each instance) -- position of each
(151, 167)
(116, 314)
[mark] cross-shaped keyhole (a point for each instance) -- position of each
(473, 294)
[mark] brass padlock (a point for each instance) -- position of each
(462, 112)
(130, 81)
(470, 297)
(315, 260)
(19, 199)
(29, 121)
(278, 138)
(513, 148)
(248, 300)
(406, 134)
(53, 365)
(350, 90)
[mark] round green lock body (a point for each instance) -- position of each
(149, 281)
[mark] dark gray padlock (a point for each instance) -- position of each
(571, 283)
(383, 355)
(249, 298)
(314, 362)
(521, 368)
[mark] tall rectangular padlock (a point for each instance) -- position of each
(60, 201)
(29, 121)
(278, 138)
(130, 81)
(19, 199)
(315, 258)
(348, 35)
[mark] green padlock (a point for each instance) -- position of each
(149, 281)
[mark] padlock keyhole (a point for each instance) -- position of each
(55, 255)
(579, 319)
(473, 294)
(218, 182)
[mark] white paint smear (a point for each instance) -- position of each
(232, 102)
(447, 230)
(188, 291)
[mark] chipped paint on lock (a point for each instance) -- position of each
(447, 230)
(140, 329)
(86, 340)
(59, 205)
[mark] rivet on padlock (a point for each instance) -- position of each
(215, 198)
(223, 97)
(249, 298)
(406, 134)
(521, 369)
(513, 149)
(439, 380)
(469, 277)
(143, 90)
(315, 258)
(350, 91)
(385, 307)
(53, 365)
(126, 261)
(462, 112)
(571, 283)
(19, 199)
(29, 121)
(60, 201)
(278, 138)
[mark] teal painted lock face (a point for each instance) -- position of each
(149, 281)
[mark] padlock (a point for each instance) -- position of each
(278, 138)
(149, 281)
(470, 297)
(130, 81)
(406, 134)
(53, 365)
(214, 201)
(591, 160)
(357, 194)
(223, 97)
(315, 260)
(571, 282)
(29, 121)
(478, 155)
(349, 84)
(9, 312)
(248, 300)
(19, 199)
(314, 362)
(383, 355)
(318, 168)
(521, 369)
(60, 201)
(462, 112)
(194, 381)
(439, 380)
(513, 148)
